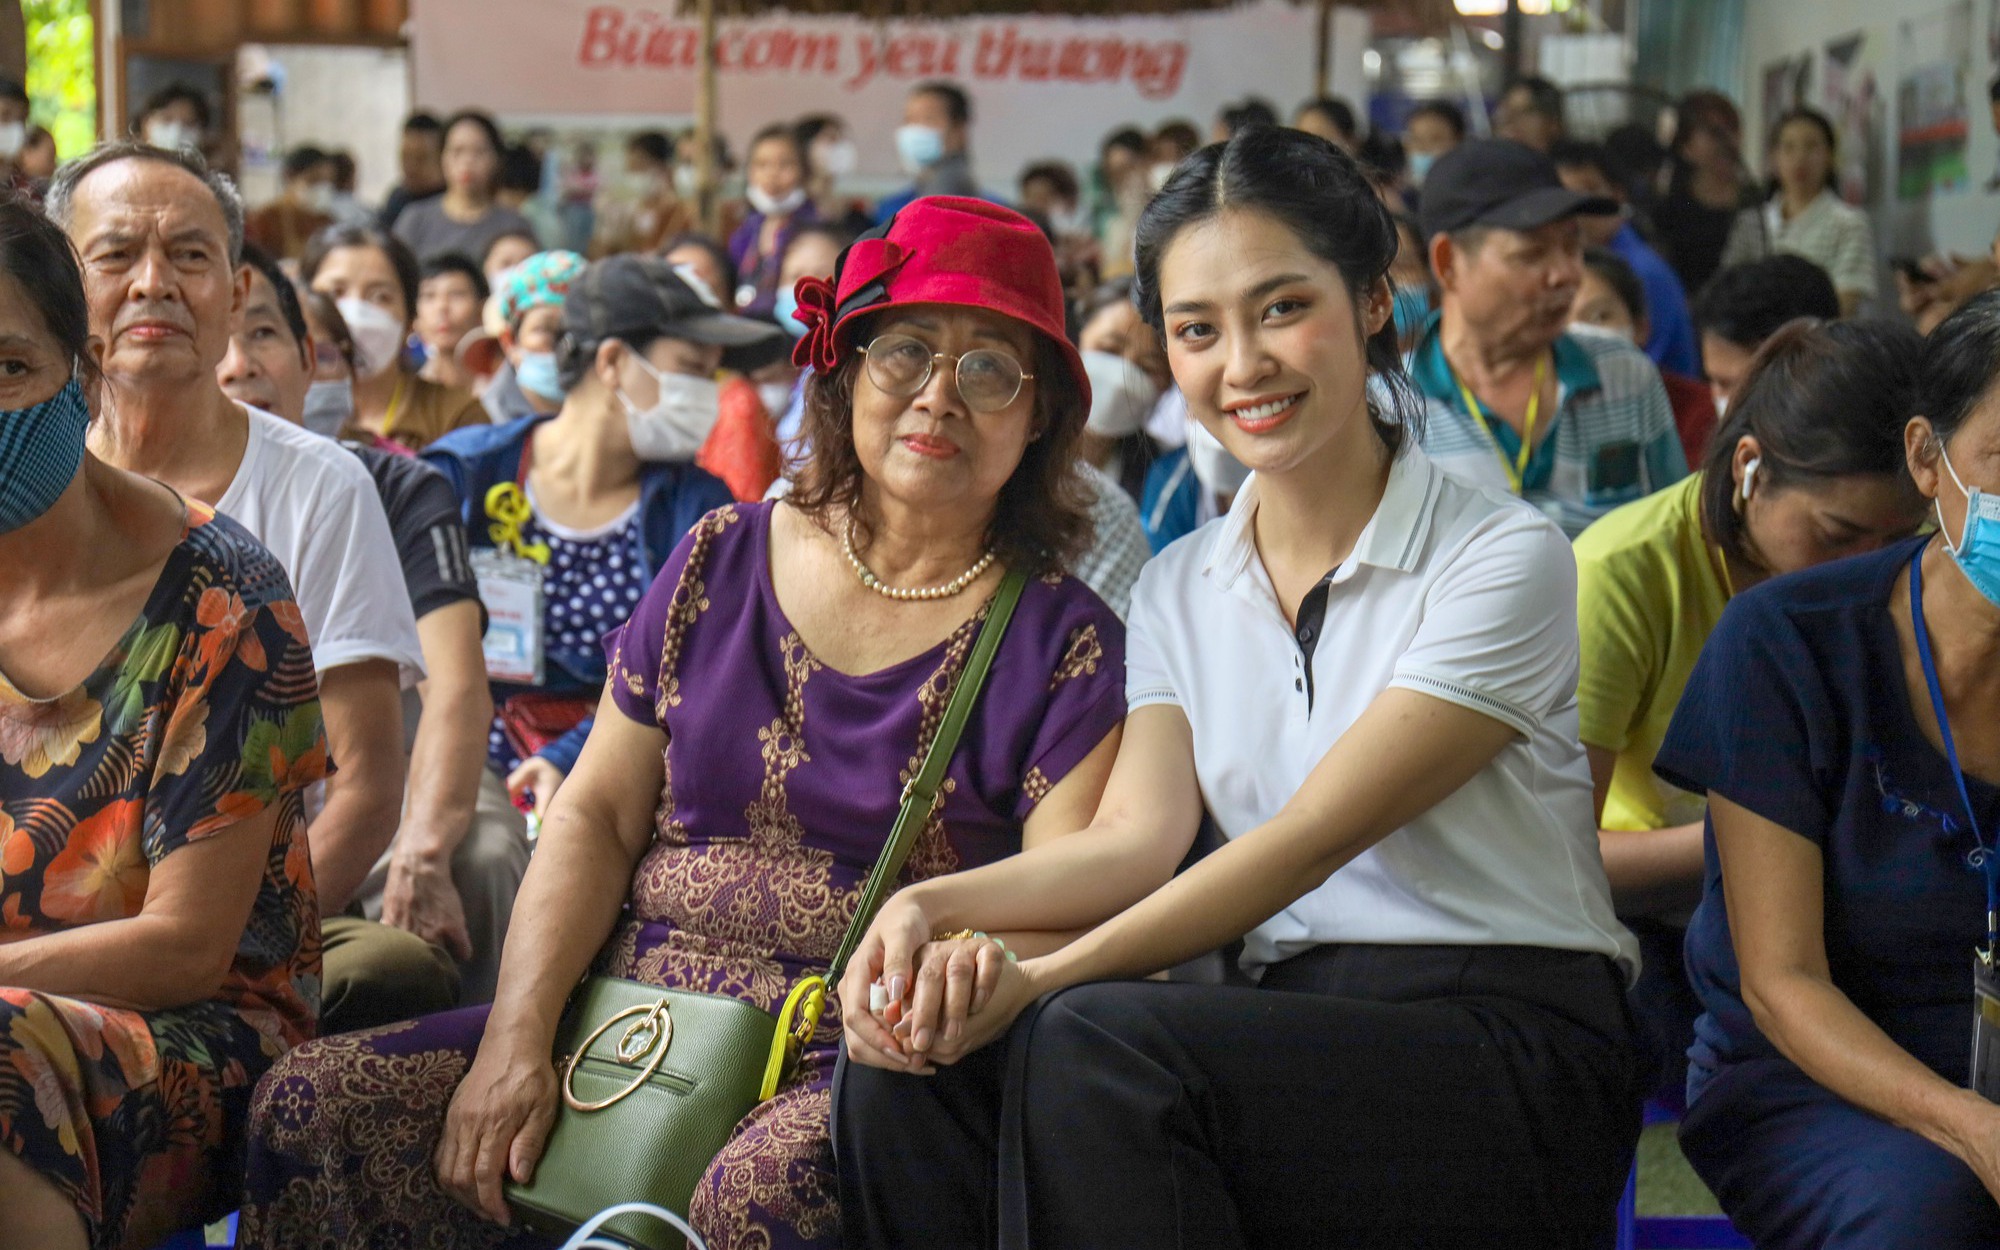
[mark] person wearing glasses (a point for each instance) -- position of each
(784, 674)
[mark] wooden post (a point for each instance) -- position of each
(1323, 51)
(13, 41)
(707, 174)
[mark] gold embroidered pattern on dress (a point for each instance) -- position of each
(1036, 785)
(690, 601)
(1085, 653)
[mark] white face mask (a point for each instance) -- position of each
(13, 137)
(1072, 222)
(172, 135)
(329, 407)
(687, 181)
(1213, 466)
(776, 397)
(837, 159)
(319, 196)
(1121, 395)
(780, 206)
(378, 337)
(678, 423)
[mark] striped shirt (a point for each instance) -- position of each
(1830, 233)
(1613, 439)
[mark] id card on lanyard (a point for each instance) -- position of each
(512, 576)
(1984, 1073)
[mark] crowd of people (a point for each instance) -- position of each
(1529, 605)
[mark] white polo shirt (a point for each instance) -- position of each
(1452, 591)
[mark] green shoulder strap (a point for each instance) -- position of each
(920, 797)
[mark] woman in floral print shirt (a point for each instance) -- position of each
(159, 721)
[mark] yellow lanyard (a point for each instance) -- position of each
(1517, 468)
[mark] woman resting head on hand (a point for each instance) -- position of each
(764, 706)
(159, 724)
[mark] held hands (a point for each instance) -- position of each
(496, 1128)
(928, 999)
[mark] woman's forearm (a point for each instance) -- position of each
(142, 963)
(446, 761)
(569, 901)
(1653, 870)
(1817, 1027)
(1406, 754)
(1065, 885)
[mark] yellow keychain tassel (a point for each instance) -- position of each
(508, 505)
(797, 1023)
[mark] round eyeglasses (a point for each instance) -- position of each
(988, 379)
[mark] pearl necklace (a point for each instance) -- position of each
(955, 586)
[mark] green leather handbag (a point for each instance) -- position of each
(654, 1081)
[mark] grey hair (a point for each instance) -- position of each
(60, 202)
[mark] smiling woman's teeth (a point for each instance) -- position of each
(1263, 411)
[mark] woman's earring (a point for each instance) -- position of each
(1750, 476)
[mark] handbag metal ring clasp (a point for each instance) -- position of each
(646, 1038)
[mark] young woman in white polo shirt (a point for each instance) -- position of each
(1366, 673)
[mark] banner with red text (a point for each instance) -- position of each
(1041, 86)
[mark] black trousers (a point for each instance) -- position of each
(1363, 1096)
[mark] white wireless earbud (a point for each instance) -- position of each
(1750, 476)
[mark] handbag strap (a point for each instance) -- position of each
(920, 796)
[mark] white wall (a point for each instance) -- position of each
(333, 97)
(1959, 220)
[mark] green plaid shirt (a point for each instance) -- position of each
(1613, 439)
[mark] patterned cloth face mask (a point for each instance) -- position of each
(41, 449)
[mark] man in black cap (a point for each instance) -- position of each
(1576, 426)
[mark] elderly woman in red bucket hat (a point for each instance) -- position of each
(768, 701)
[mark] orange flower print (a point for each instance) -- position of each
(290, 619)
(101, 873)
(17, 849)
(42, 1054)
(229, 624)
(36, 735)
(186, 737)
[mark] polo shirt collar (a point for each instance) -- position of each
(1576, 373)
(1391, 539)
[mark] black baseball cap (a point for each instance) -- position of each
(632, 295)
(1499, 183)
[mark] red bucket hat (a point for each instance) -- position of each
(942, 249)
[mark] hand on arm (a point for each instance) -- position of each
(179, 947)
(1771, 880)
(1652, 871)
(593, 837)
(363, 706)
(445, 765)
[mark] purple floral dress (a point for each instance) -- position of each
(783, 778)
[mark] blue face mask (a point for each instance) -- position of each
(1412, 309)
(787, 304)
(918, 147)
(1420, 166)
(41, 449)
(537, 373)
(1978, 548)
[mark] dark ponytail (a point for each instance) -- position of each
(1325, 198)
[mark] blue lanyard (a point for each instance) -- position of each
(1983, 858)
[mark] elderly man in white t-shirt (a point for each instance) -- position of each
(160, 237)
